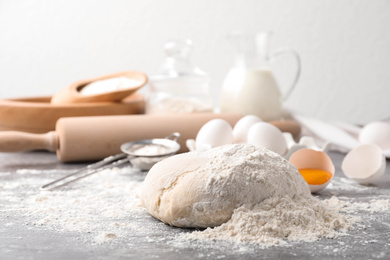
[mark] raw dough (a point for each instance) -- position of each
(202, 189)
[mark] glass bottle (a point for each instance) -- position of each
(180, 86)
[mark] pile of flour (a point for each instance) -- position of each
(247, 194)
(108, 85)
(177, 105)
(278, 219)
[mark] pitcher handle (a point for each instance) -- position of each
(298, 60)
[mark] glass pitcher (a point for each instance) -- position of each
(250, 86)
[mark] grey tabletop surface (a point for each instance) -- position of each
(20, 239)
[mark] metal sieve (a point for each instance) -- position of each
(141, 154)
(145, 153)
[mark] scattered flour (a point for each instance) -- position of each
(105, 237)
(346, 184)
(105, 209)
(372, 206)
(98, 207)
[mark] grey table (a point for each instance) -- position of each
(19, 242)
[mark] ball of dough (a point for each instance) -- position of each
(202, 189)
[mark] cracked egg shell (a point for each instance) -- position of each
(318, 163)
(365, 164)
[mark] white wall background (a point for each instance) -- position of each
(344, 45)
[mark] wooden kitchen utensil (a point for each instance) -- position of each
(290, 126)
(72, 93)
(38, 115)
(94, 138)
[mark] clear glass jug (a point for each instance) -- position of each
(250, 86)
(180, 86)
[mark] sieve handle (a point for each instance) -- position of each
(108, 162)
(174, 136)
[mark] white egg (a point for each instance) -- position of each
(376, 133)
(214, 133)
(365, 164)
(240, 130)
(263, 134)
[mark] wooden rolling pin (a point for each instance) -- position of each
(94, 138)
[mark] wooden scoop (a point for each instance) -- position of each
(72, 93)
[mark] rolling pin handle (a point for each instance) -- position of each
(13, 141)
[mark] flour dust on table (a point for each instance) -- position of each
(104, 210)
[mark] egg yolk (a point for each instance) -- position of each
(315, 176)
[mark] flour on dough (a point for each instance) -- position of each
(202, 189)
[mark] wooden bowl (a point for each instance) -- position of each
(72, 93)
(38, 115)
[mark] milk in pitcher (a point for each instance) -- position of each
(258, 95)
(250, 87)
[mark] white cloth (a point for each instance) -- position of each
(343, 136)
